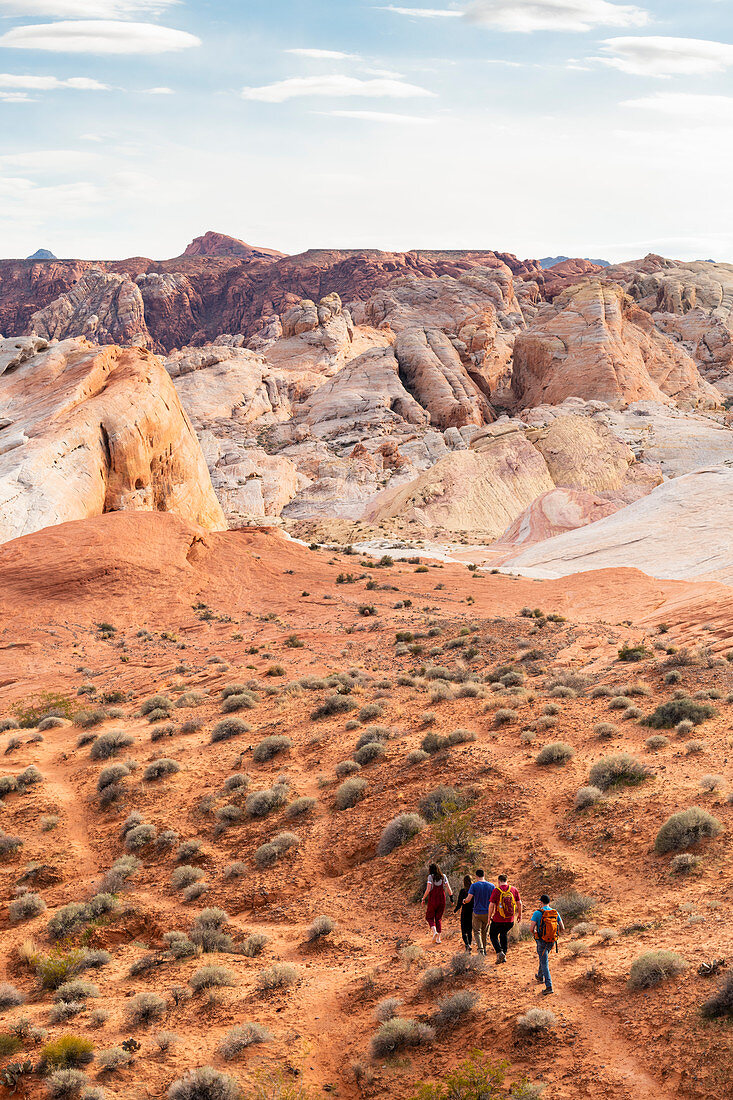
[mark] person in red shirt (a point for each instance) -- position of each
(505, 907)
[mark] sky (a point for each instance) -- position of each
(539, 127)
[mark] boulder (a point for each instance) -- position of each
(92, 430)
(432, 372)
(104, 307)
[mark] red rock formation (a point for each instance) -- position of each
(218, 244)
(566, 273)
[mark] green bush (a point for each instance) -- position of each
(350, 792)
(633, 652)
(620, 769)
(668, 714)
(228, 728)
(556, 753)
(440, 801)
(654, 967)
(334, 704)
(270, 747)
(67, 1052)
(686, 828)
(399, 1034)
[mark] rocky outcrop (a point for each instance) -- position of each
(551, 514)
(86, 430)
(218, 244)
(583, 454)
(680, 531)
(431, 370)
(595, 343)
(475, 491)
(102, 307)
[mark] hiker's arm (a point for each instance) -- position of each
(492, 910)
(468, 897)
(534, 928)
(519, 910)
(428, 888)
(560, 925)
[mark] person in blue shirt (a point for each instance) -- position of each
(546, 926)
(480, 894)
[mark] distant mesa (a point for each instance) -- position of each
(43, 254)
(553, 261)
(218, 244)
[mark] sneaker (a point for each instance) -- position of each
(438, 940)
(547, 992)
(539, 978)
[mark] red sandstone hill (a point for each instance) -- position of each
(219, 244)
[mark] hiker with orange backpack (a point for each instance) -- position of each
(505, 908)
(546, 927)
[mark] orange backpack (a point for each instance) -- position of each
(548, 926)
(506, 907)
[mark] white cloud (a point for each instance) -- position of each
(336, 86)
(378, 116)
(16, 97)
(525, 16)
(51, 161)
(425, 13)
(323, 55)
(159, 91)
(51, 83)
(99, 36)
(687, 106)
(667, 56)
(84, 9)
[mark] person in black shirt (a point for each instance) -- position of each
(466, 908)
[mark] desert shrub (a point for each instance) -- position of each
(440, 801)
(546, 723)
(573, 906)
(301, 806)
(236, 782)
(269, 853)
(618, 769)
(633, 652)
(77, 990)
(65, 1083)
(161, 732)
(686, 828)
(29, 777)
(684, 727)
(67, 1052)
(334, 704)
(350, 792)
(654, 967)
(695, 748)
(631, 714)
(453, 1010)
(188, 849)
(9, 1045)
(155, 702)
(556, 753)
(587, 796)
(368, 753)
(656, 742)
(369, 712)
(269, 747)
(536, 1020)
(253, 946)
(184, 876)
(261, 803)
(618, 702)
(64, 1010)
(7, 785)
(371, 734)
(673, 711)
(242, 1037)
(721, 1002)
(191, 725)
(684, 864)
(237, 869)
(434, 742)
(139, 836)
(321, 926)
(244, 701)
(9, 843)
(26, 907)
(505, 716)
(146, 1008)
(211, 977)
(399, 1034)
(387, 1009)
(228, 728)
(87, 719)
(417, 756)
(109, 744)
(190, 699)
(205, 1083)
(461, 737)
(160, 768)
(400, 829)
(10, 997)
(113, 773)
(112, 1059)
(346, 767)
(277, 976)
(712, 782)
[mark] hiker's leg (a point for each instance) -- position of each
(439, 919)
(543, 951)
(494, 933)
(476, 924)
(504, 936)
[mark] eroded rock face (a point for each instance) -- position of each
(432, 372)
(554, 513)
(89, 430)
(481, 491)
(594, 343)
(103, 307)
(582, 454)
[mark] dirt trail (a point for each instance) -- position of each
(57, 785)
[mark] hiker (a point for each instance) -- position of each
(466, 913)
(479, 896)
(546, 926)
(504, 909)
(434, 898)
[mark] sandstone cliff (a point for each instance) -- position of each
(85, 430)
